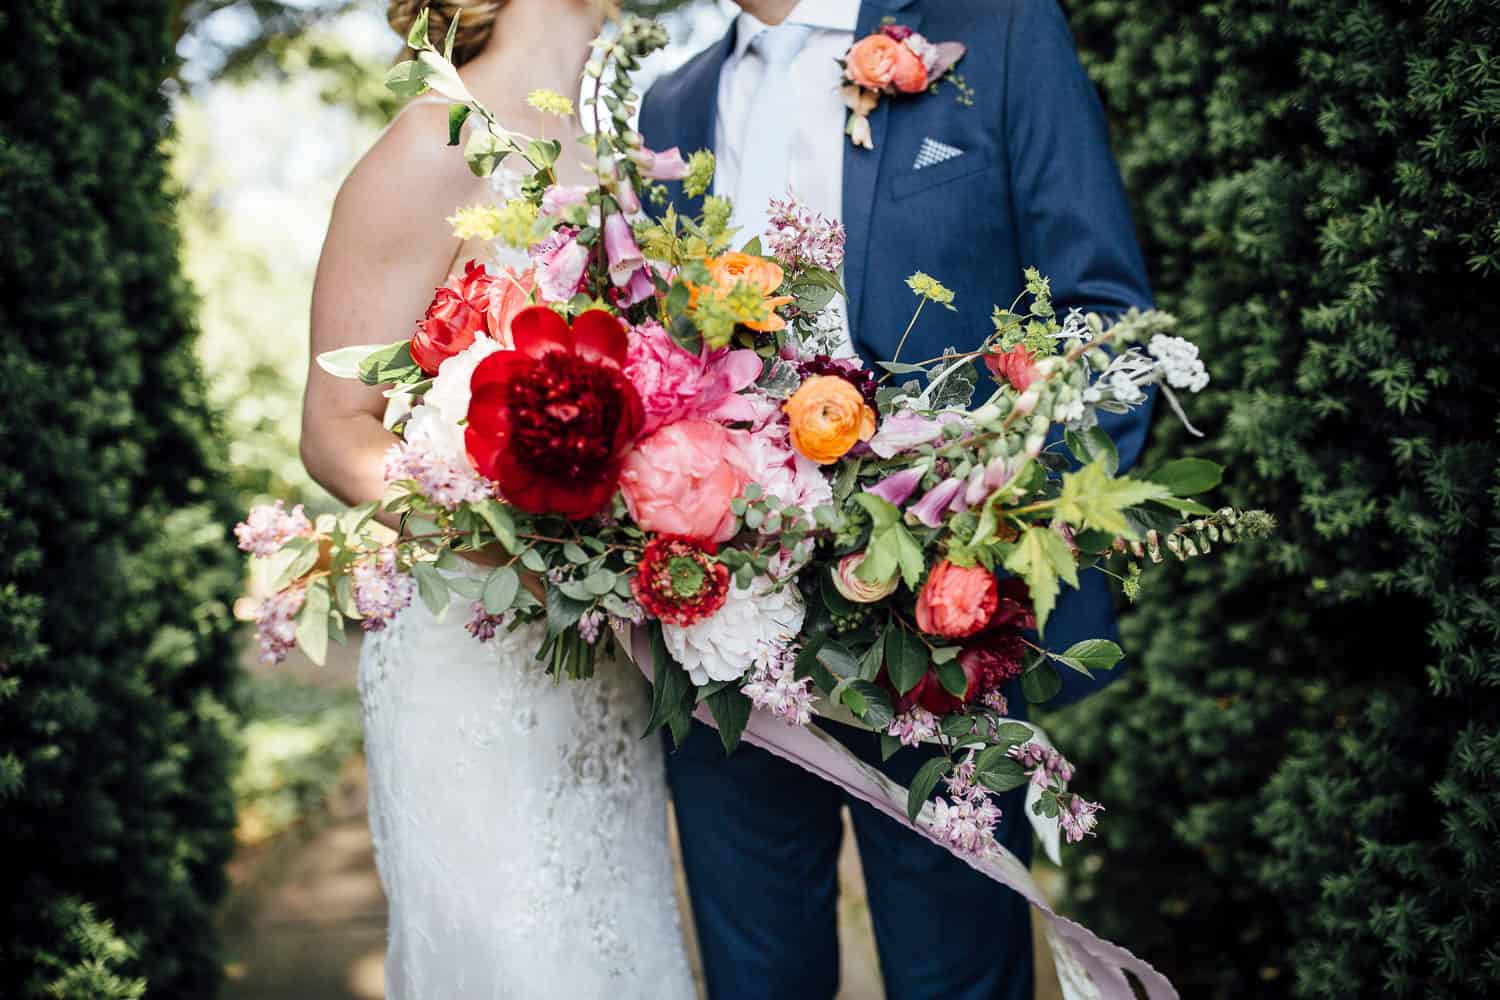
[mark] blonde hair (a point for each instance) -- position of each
(476, 19)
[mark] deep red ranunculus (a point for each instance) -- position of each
(550, 421)
(1016, 366)
(454, 317)
(678, 581)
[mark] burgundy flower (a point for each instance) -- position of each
(455, 316)
(550, 421)
(896, 32)
(850, 371)
(678, 581)
(989, 660)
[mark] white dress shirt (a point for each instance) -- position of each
(815, 168)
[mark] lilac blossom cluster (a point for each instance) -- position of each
(381, 590)
(447, 482)
(912, 727)
(799, 238)
(270, 526)
(1076, 815)
(967, 823)
(1047, 767)
(774, 686)
(275, 624)
(484, 626)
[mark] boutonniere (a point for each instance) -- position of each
(894, 60)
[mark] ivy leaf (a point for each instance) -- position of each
(927, 778)
(1042, 558)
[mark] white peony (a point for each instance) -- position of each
(782, 473)
(450, 388)
(740, 637)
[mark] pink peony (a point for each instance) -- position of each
(675, 384)
(956, 601)
(680, 480)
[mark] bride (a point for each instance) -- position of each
(519, 825)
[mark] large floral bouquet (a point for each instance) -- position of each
(670, 439)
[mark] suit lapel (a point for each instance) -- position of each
(862, 166)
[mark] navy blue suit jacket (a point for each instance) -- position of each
(1036, 186)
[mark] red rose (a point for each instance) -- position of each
(1016, 366)
(551, 420)
(455, 316)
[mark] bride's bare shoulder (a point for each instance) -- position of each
(410, 178)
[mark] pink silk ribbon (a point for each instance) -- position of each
(1088, 967)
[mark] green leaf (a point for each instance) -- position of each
(871, 662)
(731, 711)
(1094, 445)
(957, 727)
(888, 746)
(295, 560)
(671, 691)
(945, 653)
(1002, 773)
(417, 36)
(467, 587)
(563, 611)
(883, 513)
(1186, 476)
(1042, 559)
(837, 660)
(391, 364)
(431, 587)
(1041, 683)
(500, 521)
(407, 79)
(927, 778)
(877, 711)
(600, 582)
(953, 678)
(346, 362)
(534, 561)
(452, 34)
(1091, 498)
(484, 152)
(457, 115)
(905, 658)
(909, 555)
(752, 248)
(312, 623)
(500, 590)
(1191, 508)
(1011, 734)
(1095, 654)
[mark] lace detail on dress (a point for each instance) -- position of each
(520, 825)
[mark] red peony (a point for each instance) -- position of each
(678, 581)
(455, 316)
(1016, 366)
(551, 420)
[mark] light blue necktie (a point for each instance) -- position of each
(770, 120)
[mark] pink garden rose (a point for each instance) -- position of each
(956, 601)
(681, 479)
(678, 385)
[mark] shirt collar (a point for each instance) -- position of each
(825, 15)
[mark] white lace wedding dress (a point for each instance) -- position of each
(520, 824)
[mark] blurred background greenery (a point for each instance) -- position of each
(1302, 770)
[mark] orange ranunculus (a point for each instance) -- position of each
(828, 415)
(765, 276)
(872, 62)
(910, 74)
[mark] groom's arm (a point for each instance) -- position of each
(1073, 220)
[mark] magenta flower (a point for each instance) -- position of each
(799, 238)
(908, 429)
(667, 165)
(898, 487)
(675, 384)
(630, 202)
(560, 196)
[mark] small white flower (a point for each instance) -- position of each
(740, 637)
(1178, 362)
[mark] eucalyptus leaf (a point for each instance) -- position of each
(500, 590)
(431, 587)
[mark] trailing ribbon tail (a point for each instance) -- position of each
(1088, 967)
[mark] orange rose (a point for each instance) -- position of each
(828, 415)
(910, 74)
(765, 276)
(871, 63)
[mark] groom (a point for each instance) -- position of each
(971, 195)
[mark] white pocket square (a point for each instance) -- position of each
(934, 152)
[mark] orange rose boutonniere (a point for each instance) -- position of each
(894, 60)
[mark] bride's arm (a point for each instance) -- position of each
(387, 247)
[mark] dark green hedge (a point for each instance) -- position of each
(115, 577)
(1303, 773)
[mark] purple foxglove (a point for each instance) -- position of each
(625, 258)
(935, 502)
(904, 430)
(560, 196)
(667, 165)
(898, 488)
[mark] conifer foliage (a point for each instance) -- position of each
(115, 571)
(1302, 774)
